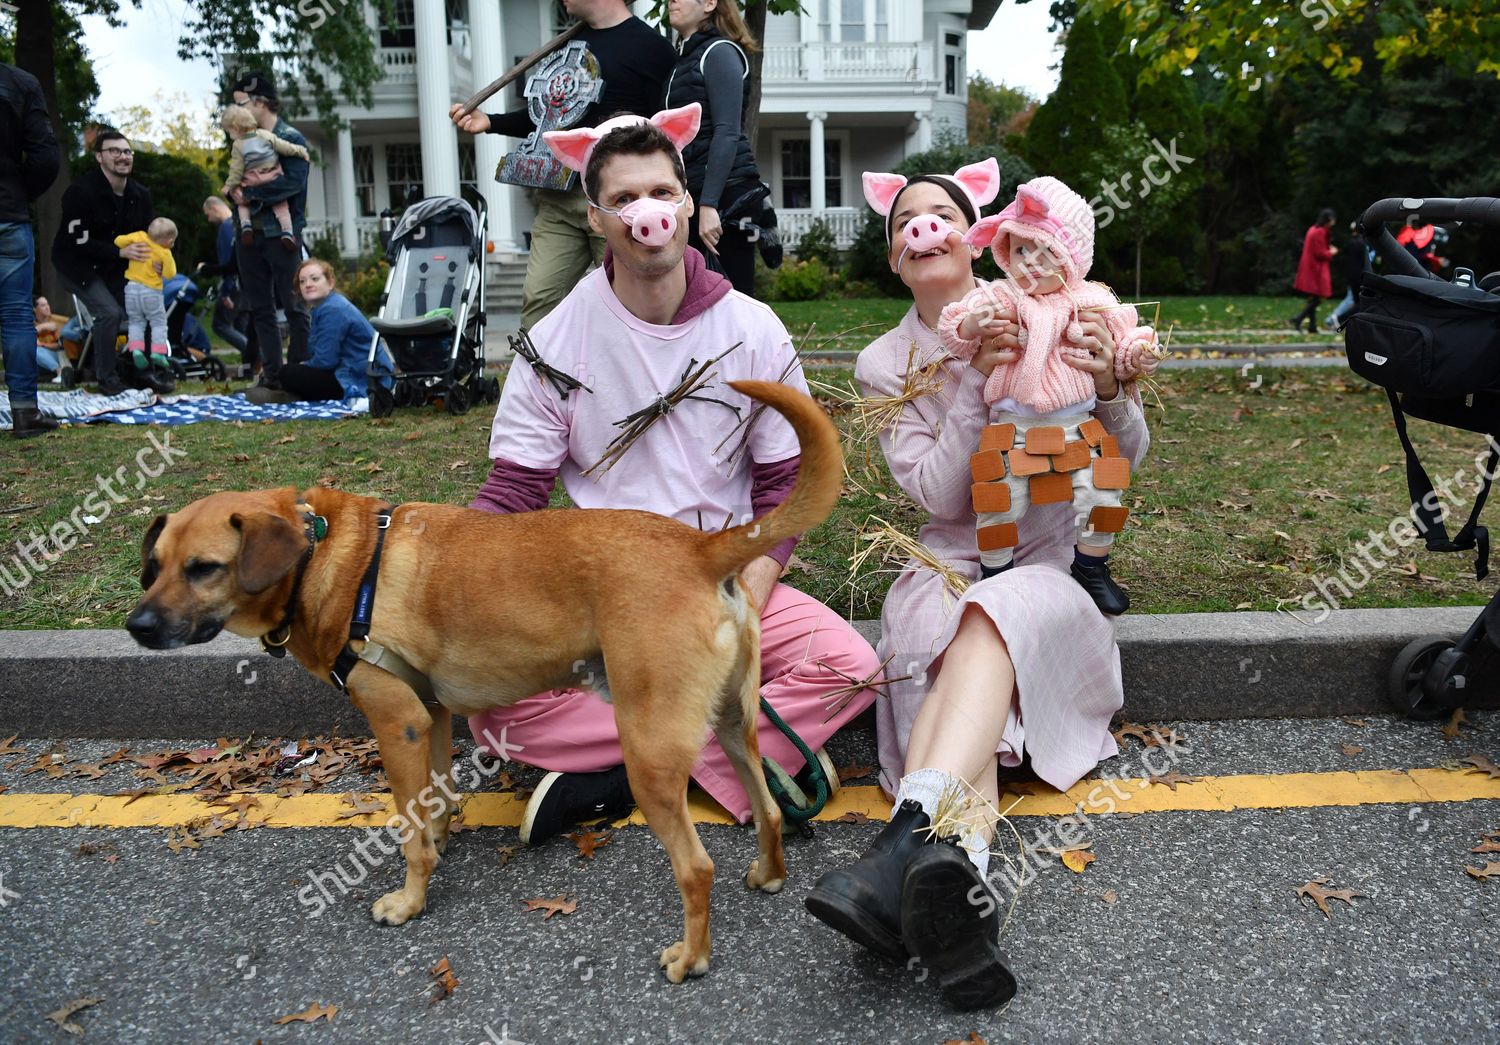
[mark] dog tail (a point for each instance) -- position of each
(820, 477)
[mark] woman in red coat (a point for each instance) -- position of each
(1312, 271)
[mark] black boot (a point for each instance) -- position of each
(1107, 595)
(986, 572)
(950, 920)
(27, 421)
(864, 901)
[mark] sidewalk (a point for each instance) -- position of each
(1200, 666)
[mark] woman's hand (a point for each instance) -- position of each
(710, 228)
(1095, 354)
(475, 122)
(998, 348)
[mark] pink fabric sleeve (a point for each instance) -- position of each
(953, 314)
(513, 487)
(769, 486)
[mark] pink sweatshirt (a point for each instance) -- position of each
(1040, 379)
(674, 469)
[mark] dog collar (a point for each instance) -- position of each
(314, 528)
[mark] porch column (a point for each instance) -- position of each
(924, 131)
(815, 150)
(437, 135)
(348, 200)
(487, 38)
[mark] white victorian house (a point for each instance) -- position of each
(848, 86)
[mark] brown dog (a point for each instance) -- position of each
(489, 609)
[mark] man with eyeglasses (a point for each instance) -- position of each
(102, 204)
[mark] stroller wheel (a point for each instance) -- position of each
(382, 403)
(218, 370)
(1426, 678)
(403, 393)
(456, 399)
(492, 390)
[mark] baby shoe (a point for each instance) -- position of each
(137, 352)
(161, 356)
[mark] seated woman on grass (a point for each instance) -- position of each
(338, 346)
(1022, 663)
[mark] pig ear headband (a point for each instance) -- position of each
(980, 182)
(573, 149)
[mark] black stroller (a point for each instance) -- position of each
(192, 353)
(432, 310)
(1434, 346)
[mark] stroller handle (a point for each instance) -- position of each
(1483, 210)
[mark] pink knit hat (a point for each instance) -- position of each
(1049, 212)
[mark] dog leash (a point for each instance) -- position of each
(364, 605)
(796, 805)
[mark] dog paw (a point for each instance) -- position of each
(764, 881)
(679, 968)
(394, 908)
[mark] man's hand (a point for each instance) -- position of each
(135, 252)
(158, 267)
(759, 577)
(475, 122)
(226, 301)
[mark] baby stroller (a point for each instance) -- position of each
(1434, 346)
(78, 371)
(192, 352)
(432, 310)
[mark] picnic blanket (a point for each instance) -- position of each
(141, 407)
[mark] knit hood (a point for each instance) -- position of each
(1049, 212)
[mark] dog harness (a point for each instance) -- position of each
(364, 604)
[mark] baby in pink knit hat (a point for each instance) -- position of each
(1042, 446)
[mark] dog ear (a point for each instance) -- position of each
(269, 548)
(148, 571)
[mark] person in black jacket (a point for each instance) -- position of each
(633, 63)
(102, 204)
(713, 69)
(28, 164)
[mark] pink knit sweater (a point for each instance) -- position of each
(1040, 379)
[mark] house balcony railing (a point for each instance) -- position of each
(843, 222)
(818, 62)
(400, 67)
(367, 229)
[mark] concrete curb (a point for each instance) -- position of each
(1191, 666)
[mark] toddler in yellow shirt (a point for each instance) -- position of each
(143, 293)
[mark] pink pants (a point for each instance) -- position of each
(573, 731)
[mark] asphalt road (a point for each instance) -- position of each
(1206, 939)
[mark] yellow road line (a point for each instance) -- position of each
(1135, 795)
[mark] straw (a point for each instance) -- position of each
(891, 550)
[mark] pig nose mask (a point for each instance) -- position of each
(652, 221)
(924, 232)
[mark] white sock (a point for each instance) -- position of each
(927, 787)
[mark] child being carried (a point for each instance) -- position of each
(1041, 445)
(253, 161)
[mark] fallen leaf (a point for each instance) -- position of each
(1141, 733)
(1170, 779)
(360, 805)
(1296, 443)
(853, 772)
(588, 841)
(1383, 469)
(1110, 896)
(1482, 765)
(8, 746)
(1076, 860)
(1314, 890)
(1233, 505)
(1491, 869)
(558, 905)
(1244, 605)
(506, 853)
(242, 803)
(62, 1016)
(1457, 719)
(1350, 749)
(122, 755)
(796, 562)
(854, 816)
(972, 1039)
(1486, 846)
(1354, 722)
(443, 980)
(164, 789)
(284, 440)
(93, 772)
(411, 436)
(181, 838)
(311, 1014)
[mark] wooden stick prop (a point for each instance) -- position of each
(563, 382)
(519, 69)
(840, 698)
(635, 425)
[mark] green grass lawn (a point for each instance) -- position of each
(855, 322)
(1248, 495)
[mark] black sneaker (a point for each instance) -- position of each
(111, 386)
(950, 922)
(1107, 595)
(564, 799)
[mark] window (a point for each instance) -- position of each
(796, 173)
(852, 21)
(858, 21)
(364, 179)
(953, 78)
(403, 172)
(401, 29)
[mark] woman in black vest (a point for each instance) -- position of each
(713, 69)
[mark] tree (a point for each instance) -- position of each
(325, 42)
(1139, 203)
(1250, 44)
(994, 109)
(1068, 128)
(172, 126)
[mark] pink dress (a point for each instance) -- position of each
(1067, 664)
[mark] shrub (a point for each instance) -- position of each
(817, 244)
(364, 287)
(801, 280)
